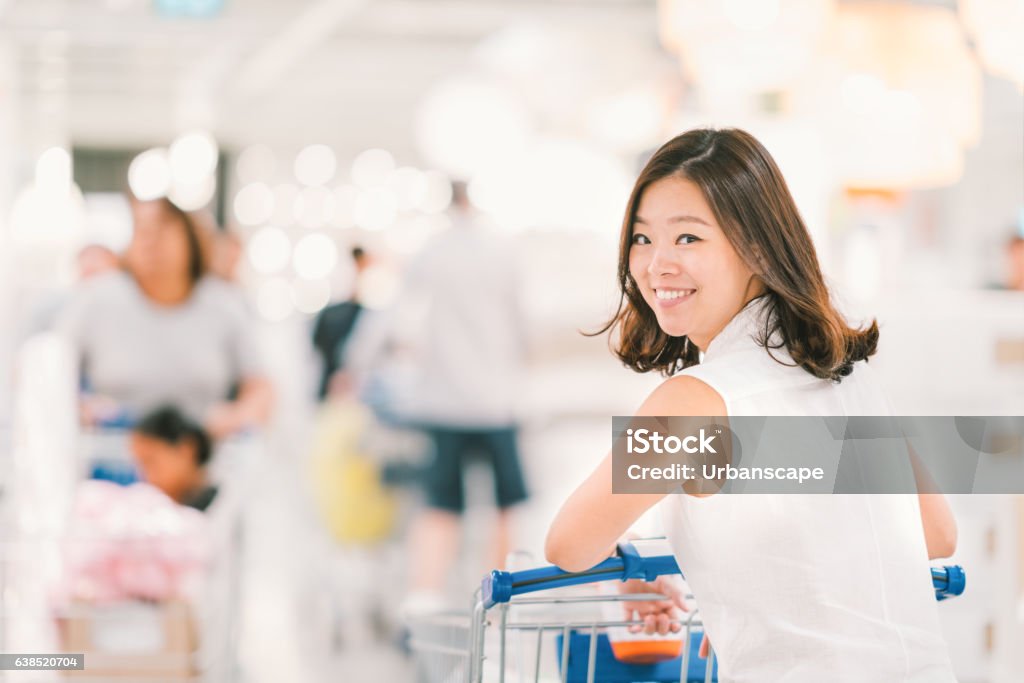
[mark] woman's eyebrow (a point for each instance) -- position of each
(678, 219)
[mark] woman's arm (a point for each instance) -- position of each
(940, 532)
(252, 407)
(593, 519)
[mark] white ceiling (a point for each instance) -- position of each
(345, 72)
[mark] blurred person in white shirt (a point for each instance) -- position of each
(471, 357)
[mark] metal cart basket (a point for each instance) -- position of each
(503, 637)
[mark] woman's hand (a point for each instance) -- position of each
(705, 647)
(224, 419)
(657, 615)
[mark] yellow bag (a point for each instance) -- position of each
(346, 482)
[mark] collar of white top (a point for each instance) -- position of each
(739, 332)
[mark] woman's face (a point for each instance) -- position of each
(159, 245)
(685, 267)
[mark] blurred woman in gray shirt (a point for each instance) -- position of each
(162, 332)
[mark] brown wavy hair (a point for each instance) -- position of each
(752, 204)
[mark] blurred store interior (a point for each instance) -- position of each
(292, 133)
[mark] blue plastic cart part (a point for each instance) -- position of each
(949, 581)
(636, 560)
(642, 559)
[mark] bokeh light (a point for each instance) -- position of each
(315, 165)
(149, 174)
(437, 195)
(192, 158)
(313, 207)
(274, 299)
(285, 196)
(269, 250)
(310, 296)
(410, 187)
(375, 209)
(254, 204)
(315, 255)
(373, 168)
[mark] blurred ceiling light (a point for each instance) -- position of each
(344, 202)
(53, 171)
(274, 299)
(285, 196)
(254, 204)
(193, 196)
(314, 207)
(269, 250)
(409, 186)
(310, 296)
(51, 210)
(462, 125)
(910, 99)
(998, 29)
(256, 163)
(193, 158)
(315, 165)
(149, 174)
(375, 209)
(437, 196)
(315, 255)
(373, 168)
(744, 45)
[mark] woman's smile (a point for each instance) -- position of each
(667, 297)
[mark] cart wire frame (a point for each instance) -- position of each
(460, 657)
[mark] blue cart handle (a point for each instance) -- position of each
(949, 581)
(645, 560)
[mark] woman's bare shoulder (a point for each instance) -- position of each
(683, 395)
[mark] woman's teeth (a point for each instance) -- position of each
(672, 293)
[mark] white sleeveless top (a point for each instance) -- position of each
(800, 587)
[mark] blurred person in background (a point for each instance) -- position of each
(91, 261)
(473, 352)
(95, 259)
(171, 452)
(161, 331)
(225, 253)
(334, 326)
(1015, 263)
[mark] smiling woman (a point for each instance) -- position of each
(709, 226)
(721, 289)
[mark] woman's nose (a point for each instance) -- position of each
(663, 261)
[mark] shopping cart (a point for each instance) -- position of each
(454, 648)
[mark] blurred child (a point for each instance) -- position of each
(172, 452)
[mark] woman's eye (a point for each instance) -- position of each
(640, 239)
(687, 239)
